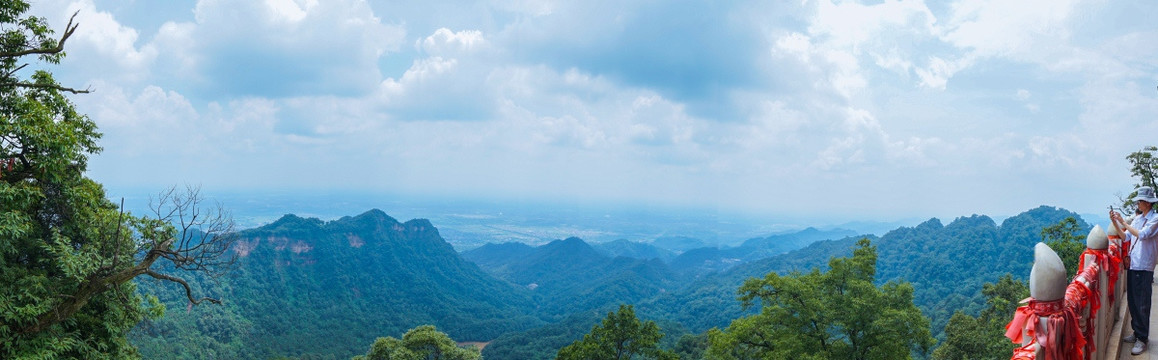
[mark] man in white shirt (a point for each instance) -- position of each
(1143, 238)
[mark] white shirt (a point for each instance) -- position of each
(1144, 247)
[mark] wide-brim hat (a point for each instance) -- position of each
(1146, 194)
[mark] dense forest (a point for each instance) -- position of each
(314, 289)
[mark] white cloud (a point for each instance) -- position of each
(730, 104)
(1019, 29)
(447, 42)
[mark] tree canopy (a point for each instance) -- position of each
(838, 314)
(67, 253)
(423, 342)
(621, 336)
(983, 337)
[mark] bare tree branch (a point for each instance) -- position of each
(68, 30)
(46, 86)
(188, 290)
(190, 237)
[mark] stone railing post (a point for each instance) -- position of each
(1072, 319)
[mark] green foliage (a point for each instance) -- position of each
(838, 314)
(570, 276)
(691, 347)
(983, 337)
(1067, 240)
(56, 227)
(1144, 166)
(424, 342)
(312, 288)
(621, 336)
(542, 343)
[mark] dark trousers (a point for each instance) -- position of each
(1138, 290)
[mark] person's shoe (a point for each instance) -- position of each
(1139, 347)
(1130, 338)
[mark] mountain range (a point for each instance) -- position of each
(325, 289)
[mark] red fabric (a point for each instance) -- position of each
(1080, 297)
(1027, 352)
(1062, 338)
(1107, 261)
(1125, 254)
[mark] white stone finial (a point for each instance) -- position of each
(1097, 240)
(1047, 279)
(1112, 230)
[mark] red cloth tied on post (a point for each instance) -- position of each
(1062, 337)
(1124, 254)
(1079, 296)
(1024, 353)
(1107, 262)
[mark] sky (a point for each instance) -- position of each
(848, 110)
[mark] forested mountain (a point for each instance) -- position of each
(569, 276)
(637, 250)
(698, 262)
(759, 248)
(494, 257)
(678, 244)
(308, 287)
(305, 287)
(946, 265)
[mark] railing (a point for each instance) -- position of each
(1087, 322)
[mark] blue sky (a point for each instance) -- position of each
(843, 110)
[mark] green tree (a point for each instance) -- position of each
(620, 336)
(1067, 240)
(67, 254)
(983, 337)
(838, 314)
(1144, 166)
(691, 347)
(424, 342)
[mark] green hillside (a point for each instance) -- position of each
(307, 287)
(569, 276)
(947, 266)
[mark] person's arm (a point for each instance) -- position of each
(1147, 231)
(1122, 225)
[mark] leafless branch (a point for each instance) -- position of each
(68, 31)
(204, 235)
(45, 86)
(188, 290)
(192, 238)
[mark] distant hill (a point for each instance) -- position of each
(678, 244)
(759, 248)
(569, 275)
(635, 250)
(698, 262)
(495, 257)
(308, 287)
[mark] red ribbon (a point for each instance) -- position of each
(1105, 260)
(1124, 255)
(1079, 296)
(1062, 338)
(1027, 352)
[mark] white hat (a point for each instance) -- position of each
(1146, 194)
